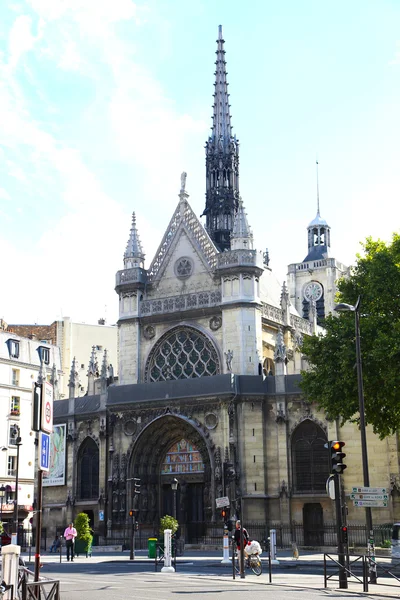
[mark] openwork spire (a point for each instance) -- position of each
(222, 160)
(242, 236)
(221, 128)
(134, 256)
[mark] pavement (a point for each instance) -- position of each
(304, 572)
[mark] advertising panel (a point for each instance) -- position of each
(56, 474)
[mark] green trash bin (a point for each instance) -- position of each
(152, 547)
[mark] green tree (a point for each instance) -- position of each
(331, 381)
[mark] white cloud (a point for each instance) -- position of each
(21, 39)
(4, 195)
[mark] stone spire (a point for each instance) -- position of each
(73, 382)
(93, 367)
(93, 372)
(104, 371)
(42, 375)
(54, 382)
(222, 160)
(241, 236)
(134, 256)
(319, 235)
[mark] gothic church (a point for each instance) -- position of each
(208, 378)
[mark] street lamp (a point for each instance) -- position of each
(343, 307)
(18, 443)
(174, 486)
(2, 492)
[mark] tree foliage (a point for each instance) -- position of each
(82, 526)
(168, 522)
(331, 381)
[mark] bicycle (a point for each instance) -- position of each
(4, 587)
(251, 561)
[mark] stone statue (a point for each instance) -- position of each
(228, 358)
(183, 182)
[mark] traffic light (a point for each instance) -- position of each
(345, 536)
(337, 456)
(136, 481)
(225, 514)
(131, 513)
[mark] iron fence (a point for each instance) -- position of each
(210, 534)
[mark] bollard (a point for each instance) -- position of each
(272, 547)
(225, 544)
(10, 563)
(167, 568)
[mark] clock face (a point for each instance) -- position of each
(313, 291)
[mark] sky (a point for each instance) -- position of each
(104, 104)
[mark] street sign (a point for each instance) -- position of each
(370, 503)
(221, 502)
(370, 490)
(369, 496)
(44, 447)
(101, 515)
(47, 408)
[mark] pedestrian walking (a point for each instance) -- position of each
(70, 534)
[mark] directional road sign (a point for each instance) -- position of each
(369, 496)
(44, 448)
(371, 503)
(370, 490)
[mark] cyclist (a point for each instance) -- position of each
(237, 537)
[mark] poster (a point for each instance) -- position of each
(56, 474)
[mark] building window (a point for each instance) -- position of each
(88, 470)
(44, 354)
(182, 353)
(15, 377)
(310, 459)
(12, 466)
(15, 405)
(13, 348)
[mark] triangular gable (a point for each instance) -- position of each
(183, 218)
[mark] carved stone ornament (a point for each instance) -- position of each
(211, 420)
(149, 332)
(130, 427)
(183, 267)
(215, 323)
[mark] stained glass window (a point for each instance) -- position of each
(182, 457)
(180, 354)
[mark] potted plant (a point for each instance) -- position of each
(84, 539)
(171, 523)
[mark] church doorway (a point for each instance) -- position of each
(171, 448)
(313, 524)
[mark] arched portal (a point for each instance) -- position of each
(172, 447)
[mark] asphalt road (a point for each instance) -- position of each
(123, 580)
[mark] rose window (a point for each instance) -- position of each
(180, 354)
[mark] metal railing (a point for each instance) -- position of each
(44, 589)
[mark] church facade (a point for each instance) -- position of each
(208, 391)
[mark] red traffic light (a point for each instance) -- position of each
(337, 446)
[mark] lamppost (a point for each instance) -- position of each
(174, 486)
(343, 307)
(2, 492)
(18, 443)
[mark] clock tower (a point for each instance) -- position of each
(315, 278)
